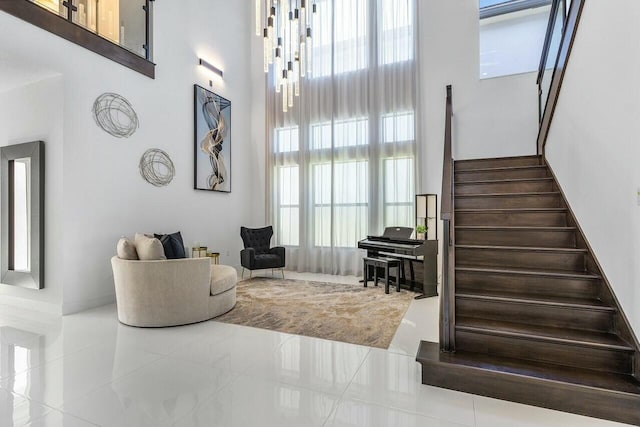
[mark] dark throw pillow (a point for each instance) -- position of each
(173, 245)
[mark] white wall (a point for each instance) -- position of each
(493, 117)
(104, 195)
(34, 113)
(593, 145)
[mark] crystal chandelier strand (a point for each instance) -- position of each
(266, 50)
(286, 27)
(291, 81)
(258, 17)
(285, 92)
(296, 71)
(303, 55)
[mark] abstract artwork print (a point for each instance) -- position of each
(212, 141)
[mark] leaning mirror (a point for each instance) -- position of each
(22, 234)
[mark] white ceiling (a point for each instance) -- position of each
(16, 72)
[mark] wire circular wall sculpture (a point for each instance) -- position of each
(115, 115)
(157, 168)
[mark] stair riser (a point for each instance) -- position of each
(535, 286)
(470, 176)
(504, 187)
(557, 353)
(535, 314)
(497, 163)
(525, 259)
(544, 239)
(531, 391)
(509, 202)
(513, 219)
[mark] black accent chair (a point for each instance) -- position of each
(257, 253)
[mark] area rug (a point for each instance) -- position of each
(340, 312)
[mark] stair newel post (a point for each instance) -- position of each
(447, 302)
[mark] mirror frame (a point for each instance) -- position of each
(33, 279)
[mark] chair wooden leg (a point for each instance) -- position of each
(243, 272)
(375, 275)
(282, 271)
(398, 279)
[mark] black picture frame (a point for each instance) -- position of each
(212, 141)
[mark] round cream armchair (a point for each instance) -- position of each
(172, 292)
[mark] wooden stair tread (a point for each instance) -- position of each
(531, 156)
(543, 333)
(502, 181)
(559, 301)
(511, 210)
(538, 193)
(513, 228)
(531, 272)
(524, 248)
(605, 381)
(502, 168)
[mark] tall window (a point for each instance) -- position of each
(343, 160)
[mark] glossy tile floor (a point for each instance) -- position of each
(87, 370)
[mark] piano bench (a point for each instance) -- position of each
(386, 263)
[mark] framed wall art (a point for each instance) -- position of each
(212, 142)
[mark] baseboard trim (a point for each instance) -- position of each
(73, 307)
(31, 304)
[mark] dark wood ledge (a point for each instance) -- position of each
(59, 26)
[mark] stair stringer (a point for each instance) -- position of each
(607, 294)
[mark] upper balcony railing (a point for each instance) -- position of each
(551, 47)
(561, 32)
(123, 22)
(117, 29)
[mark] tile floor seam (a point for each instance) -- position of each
(407, 412)
(341, 398)
(168, 421)
(46, 362)
(27, 421)
(59, 408)
(475, 416)
(207, 365)
(113, 380)
(206, 400)
(91, 423)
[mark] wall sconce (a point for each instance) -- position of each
(211, 67)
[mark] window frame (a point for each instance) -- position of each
(510, 7)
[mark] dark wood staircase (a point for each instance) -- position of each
(533, 318)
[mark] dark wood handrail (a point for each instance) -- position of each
(447, 172)
(447, 302)
(564, 53)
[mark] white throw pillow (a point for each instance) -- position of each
(126, 249)
(149, 248)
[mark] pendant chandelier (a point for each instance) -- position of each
(286, 27)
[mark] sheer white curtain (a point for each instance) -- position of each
(342, 161)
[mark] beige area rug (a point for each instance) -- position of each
(339, 312)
